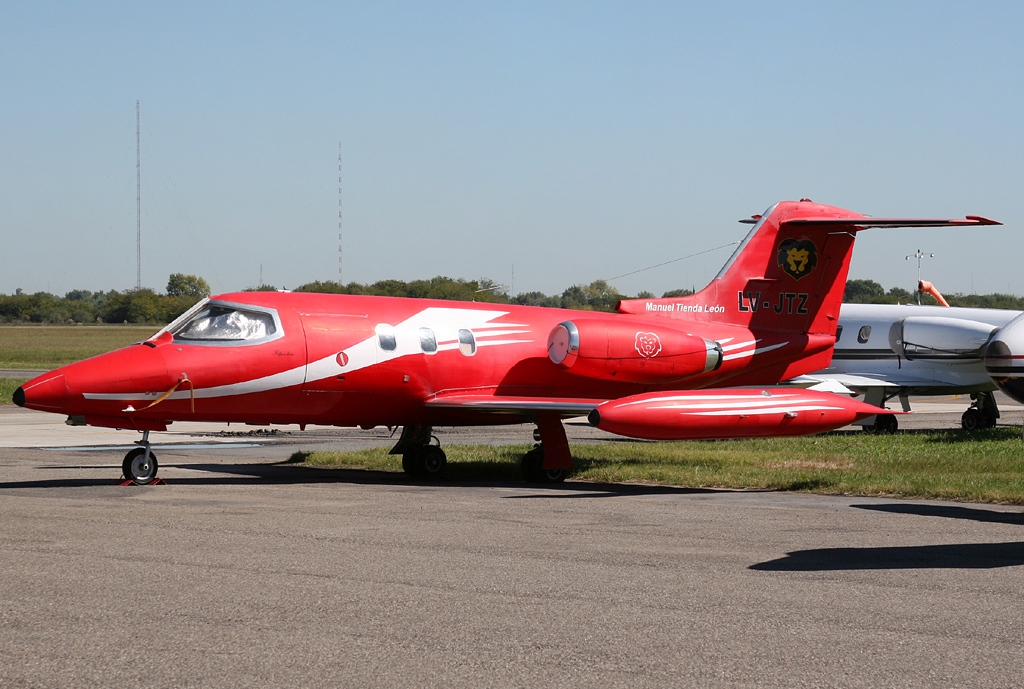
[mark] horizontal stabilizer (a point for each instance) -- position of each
(866, 223)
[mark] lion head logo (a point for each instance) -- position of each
(797, 257)
(648, 344)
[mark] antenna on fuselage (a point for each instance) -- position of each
(340, 254)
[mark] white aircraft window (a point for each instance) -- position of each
(863, 334)
(428, 342)
(839, 332)
(386, 337)
(221, 323)
(467, 343)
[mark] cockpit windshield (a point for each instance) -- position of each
(223, 323)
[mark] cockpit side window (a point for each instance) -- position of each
(227, 324)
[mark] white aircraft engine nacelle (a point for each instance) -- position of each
(1004, 358)
(937, 337)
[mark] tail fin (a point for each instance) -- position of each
(788, 274)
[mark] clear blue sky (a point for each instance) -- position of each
(573, 141)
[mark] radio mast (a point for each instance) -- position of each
(138, 203)
(340, 253)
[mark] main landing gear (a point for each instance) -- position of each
(140, 465)
(420, 458)
(982, 414)
(550, 460)
(884, 423)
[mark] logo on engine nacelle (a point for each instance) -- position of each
(797, 257)
(648, 344)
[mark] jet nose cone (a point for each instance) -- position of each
(48, 392)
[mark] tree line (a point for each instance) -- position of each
(147, 306)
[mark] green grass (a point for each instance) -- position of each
(49, 346)
(7, 388)
(986, 466)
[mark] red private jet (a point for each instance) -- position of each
(654, 369)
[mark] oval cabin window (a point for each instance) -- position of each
(428, 342)
(386, 337)
(467, 342)
(863, 334)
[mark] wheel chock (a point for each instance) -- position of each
(154, 482)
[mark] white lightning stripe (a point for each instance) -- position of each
(738, 345)
(752, 404)
(499, 333)
(490, 343)
(283, 379)
(752, 352)
(759, 412)
(445, 323)
(775, 396)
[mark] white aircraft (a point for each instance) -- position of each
(887, 351)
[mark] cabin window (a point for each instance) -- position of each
(863, 334)
(223, 323)
(839, 332)
(386, 337)
(428, 342)
(467, 342)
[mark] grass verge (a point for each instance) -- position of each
(984, 466)
(50, 346)
(7, 388)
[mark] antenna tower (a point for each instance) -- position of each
(138, 203)
(340, 254)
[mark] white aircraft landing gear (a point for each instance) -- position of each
(982, 414)
(553, 447)
(420, 458)
(140, 465)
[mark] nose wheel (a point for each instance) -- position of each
(140, 465)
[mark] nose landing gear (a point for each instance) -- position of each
(140, 465)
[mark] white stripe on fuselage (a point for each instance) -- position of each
(444, 322)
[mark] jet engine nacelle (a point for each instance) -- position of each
(1004, 358)
(630, 352)
(938, 337)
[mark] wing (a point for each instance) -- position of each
(506, 404)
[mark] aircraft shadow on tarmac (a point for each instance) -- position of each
(957, 556)
(288, 473)
(949, 512)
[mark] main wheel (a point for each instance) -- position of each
(530, 466)
(972, 420)
(886, 423)
(429, 461)
(137, 469)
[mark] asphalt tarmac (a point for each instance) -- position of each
(247, 571)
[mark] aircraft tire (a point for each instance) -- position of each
(530, 467)
(972, 420)
(136, 470)
(431, 461)
(887, 423)
(428, 461)
(409, 463)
